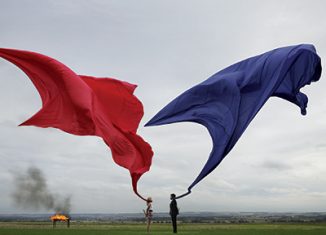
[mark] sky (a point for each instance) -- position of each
(165, 47)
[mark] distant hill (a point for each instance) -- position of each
(186, 217)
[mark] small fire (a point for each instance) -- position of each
(59, 217)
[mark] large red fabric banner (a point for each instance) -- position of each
(84, 105)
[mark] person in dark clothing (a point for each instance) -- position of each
(174, 211)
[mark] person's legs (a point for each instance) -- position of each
(149, 220)
(174, 223)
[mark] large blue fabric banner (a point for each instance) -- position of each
(227, 101)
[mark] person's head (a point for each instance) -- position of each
(172, 196)
(149, 199)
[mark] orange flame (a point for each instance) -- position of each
(59, 217)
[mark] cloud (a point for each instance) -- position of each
(275, 165)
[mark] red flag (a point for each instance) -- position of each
(84, 105)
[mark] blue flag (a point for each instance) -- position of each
(226, 102)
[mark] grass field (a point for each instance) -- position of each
(97, 228)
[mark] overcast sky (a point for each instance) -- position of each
(166, 47)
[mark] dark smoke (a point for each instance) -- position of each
(31, 192)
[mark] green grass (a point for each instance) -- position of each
(97, 228)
